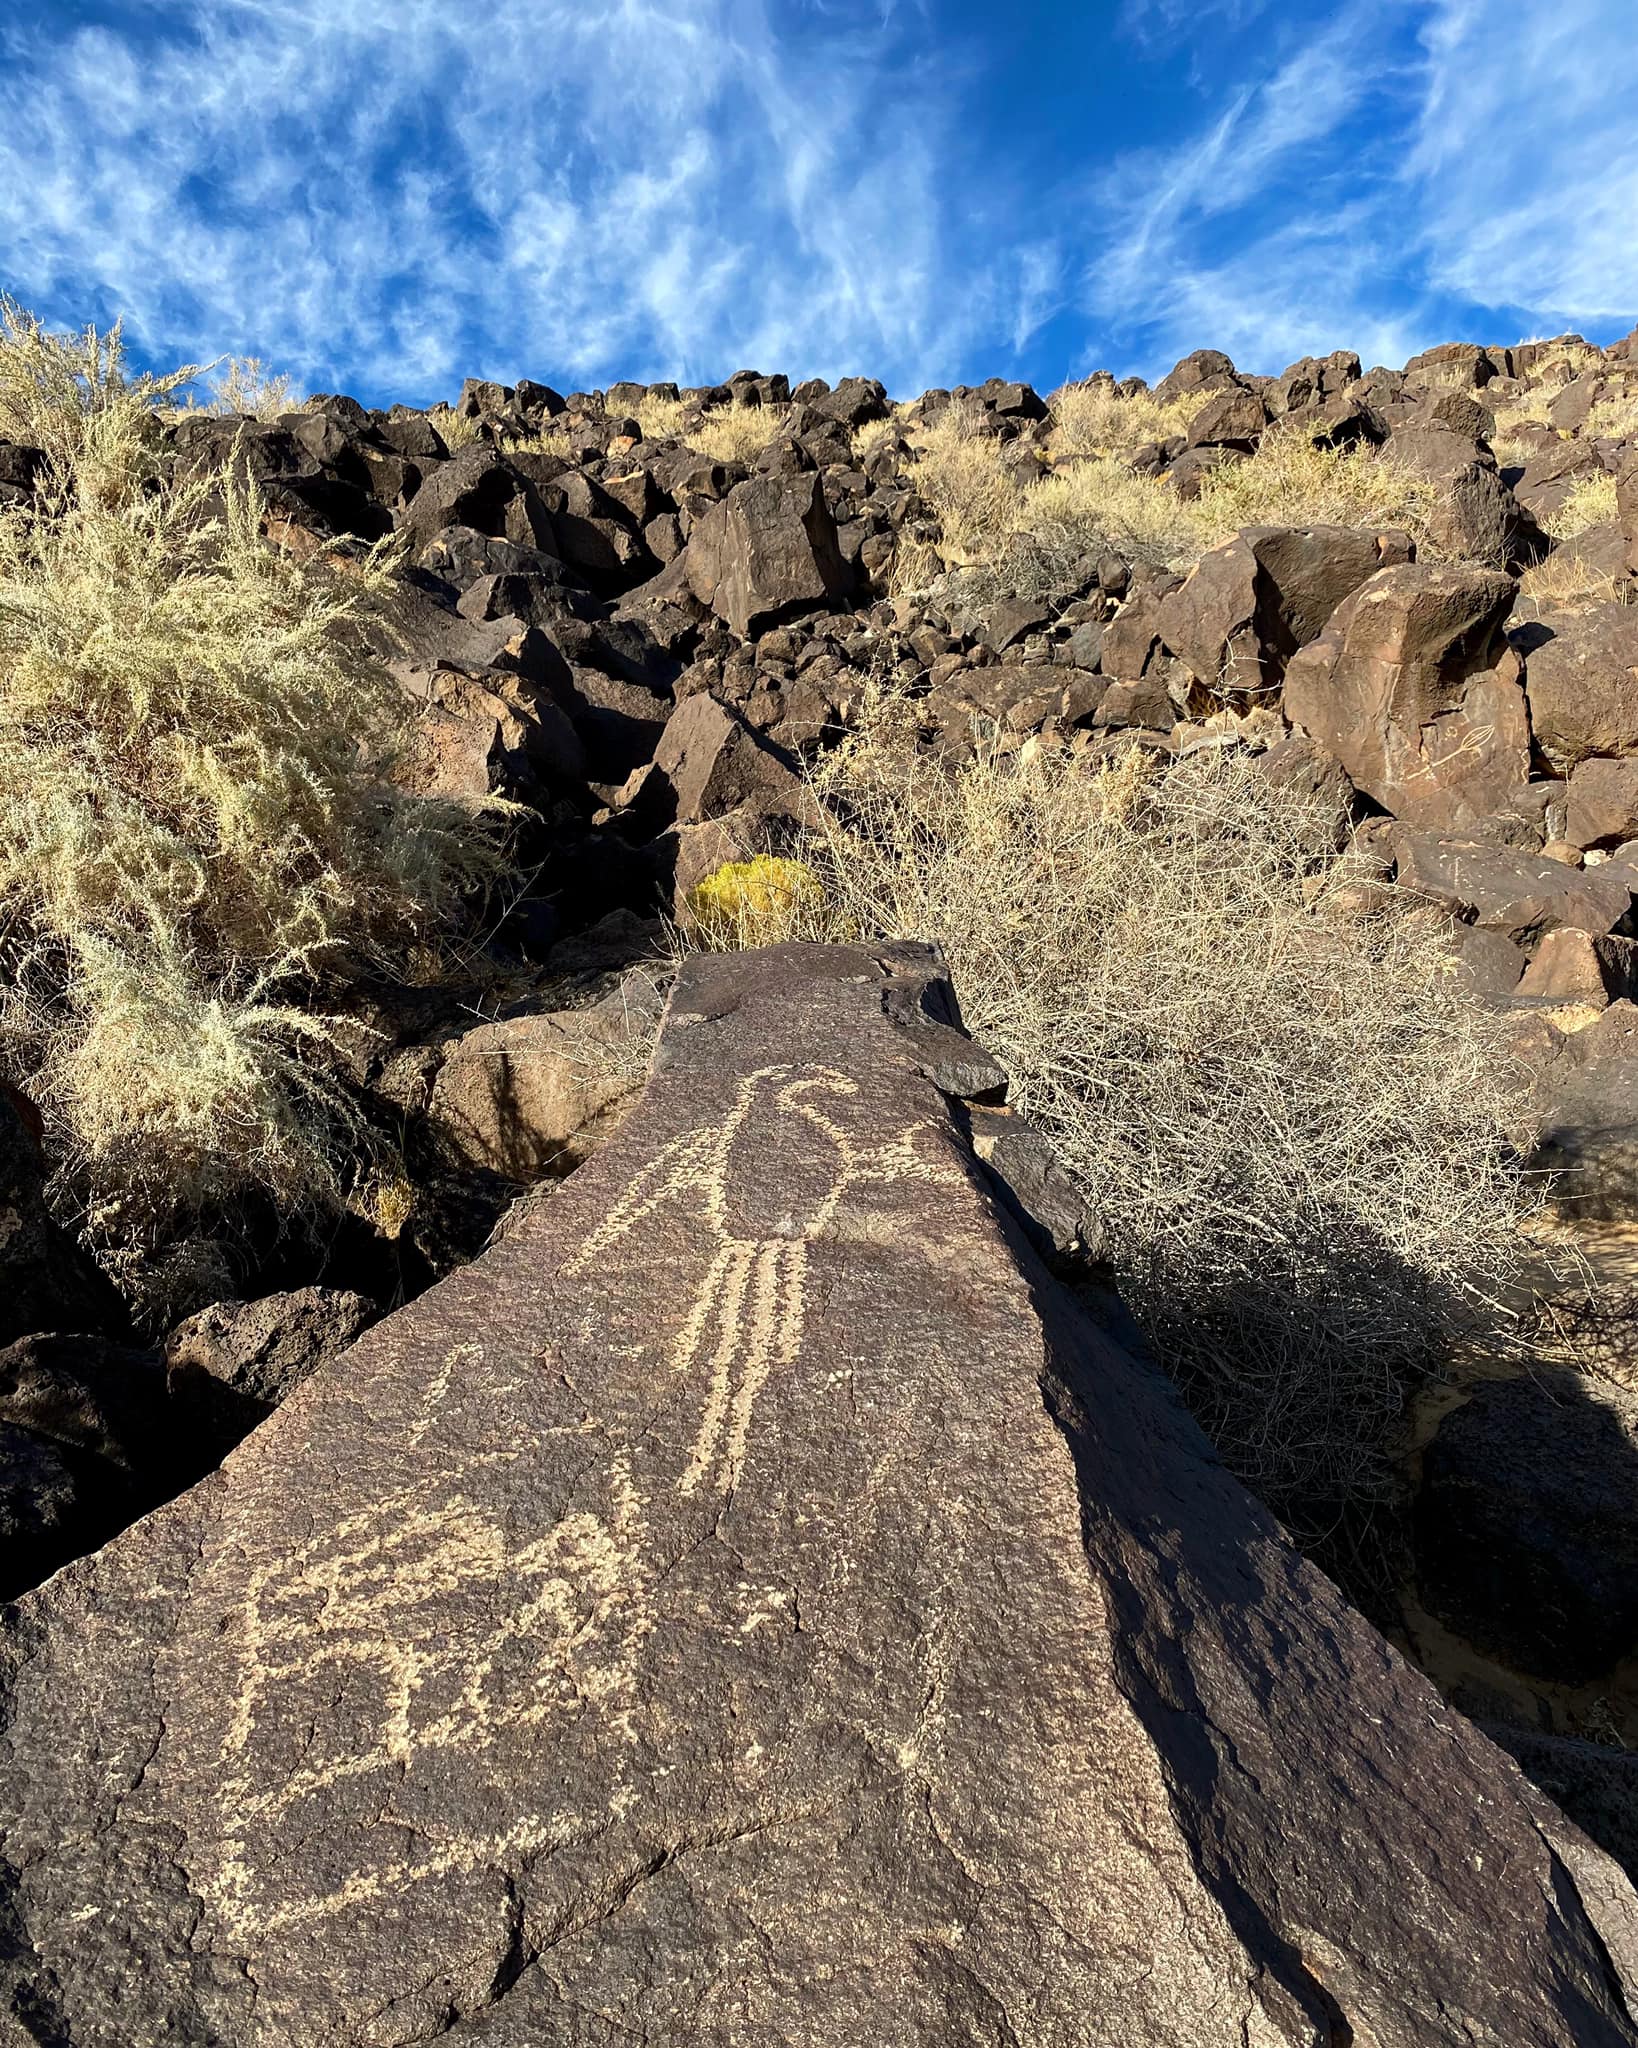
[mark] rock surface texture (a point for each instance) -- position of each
(753, 1604)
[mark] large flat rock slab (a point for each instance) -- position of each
(753, 1604)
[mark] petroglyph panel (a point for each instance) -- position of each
(751, 1604)
(379, 1667)
(748, 1308)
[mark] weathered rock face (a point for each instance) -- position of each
(229, 1366)
(1502, 889)
(1250, 603)
(713, 761)
(529, 1094)
(1525, 1534)
(754, 1604)
(1589, 1099)
(46, 1283)
(1582, 681)
(767, 552)
(1416, 692)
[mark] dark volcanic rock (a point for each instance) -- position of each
(1526, 1539)
(85, 1446)
(1589, 1137)
(232, 1364)
(768, 552)
(752, 1604)
(1581, 677)
(1415, 690)
(1250, 603)
(46, 1282)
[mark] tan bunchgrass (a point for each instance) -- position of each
(1293, 480)
(457, 430)
(875, 435)
(1297, 1133)
(1096, 418)
(547, 442)
(1589, 502)
(961, 473)
(728, 433)
(203, 850)
(243, 385)
(1614, 417)
(1567, 576)
(1028, 534)
(660, 418)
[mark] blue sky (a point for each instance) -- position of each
(382, 196)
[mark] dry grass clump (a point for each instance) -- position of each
(1293, 480)
(72, 397)
(1097, 418)
(1589, 502)
(1085, 507)
(546, 442)
(1568, 577)
(1575, 356)
(1614, 418)
(1296, 1130)
(455, 429)
(961, 474)
(734, 433)
(1087, 504)
(242, 385)
(660, 418)
(201, 844)
(875, 435)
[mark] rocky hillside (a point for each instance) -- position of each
(634, 625)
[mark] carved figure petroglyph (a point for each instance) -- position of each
(749, 1309)
(395, 1648)
(419, 1621)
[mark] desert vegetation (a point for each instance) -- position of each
(724, 433)
(203, 848)
(1083, 497)
(1299, 1138)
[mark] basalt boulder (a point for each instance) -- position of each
(1250, 603)
(1526, 1541)
(767, 553)
(755, 1602)
(1581, 677)
(230, 1365)
(1415, 689)
(46, 1281)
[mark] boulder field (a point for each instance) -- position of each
(751, 1600)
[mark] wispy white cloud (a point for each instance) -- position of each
(1416, 162)
(1524, 170)
(636, 187)
(394, 193)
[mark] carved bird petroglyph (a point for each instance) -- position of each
(766, 1193)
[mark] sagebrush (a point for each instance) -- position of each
(1298, 1134)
